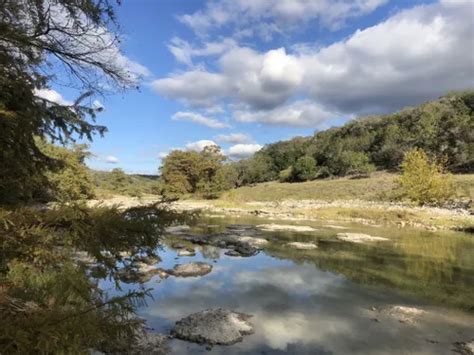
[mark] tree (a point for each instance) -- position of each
(202, 172)
(75, 38)
(72, 179)
(424, 181)
(304, 169)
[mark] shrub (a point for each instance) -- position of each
(424, 181)
(286, 175)
(304, 169)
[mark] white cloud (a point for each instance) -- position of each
(184, 52)
(243, 150)
(200, 145)
(111, 159)
(53, 96)
(196, 87)
(416, 55)
(298, 114)
(163, 155)
(267, 17)
(200, 119)
(233, 138)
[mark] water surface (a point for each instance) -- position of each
(327, 301)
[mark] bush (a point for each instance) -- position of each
(286, 175)
(424, 181)
(304, 169)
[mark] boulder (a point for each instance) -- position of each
(359, 238)
(302, 246)
(214, 327)
(190, 269)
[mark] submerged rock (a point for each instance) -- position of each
(332, 226)
(285, 227)
(464, 348)
(178, 229)
(213, 326)
(403, 314)
(302, 246)
(186, 252)
(359, 238)
(252, 241)
(190, 269)
(242, 250)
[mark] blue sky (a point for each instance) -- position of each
(244, 73)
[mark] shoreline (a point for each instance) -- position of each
(355, 211)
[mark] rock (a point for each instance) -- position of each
(186, 252)
(84, 258)
(332, 226)
(190, 269)
(242, 250)
(232, 253)
(152, 344)
(178, 229)
(178, 246)
(285, 227)
(404, 314)
(302, 246)
(464, 348)
(149, 259)
(214, 327)
(252, 241)
(359, 238)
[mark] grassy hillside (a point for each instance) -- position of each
(116, 182)
(379, 187)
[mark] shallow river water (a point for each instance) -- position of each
(331, 300)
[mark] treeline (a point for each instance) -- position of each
(443, 129)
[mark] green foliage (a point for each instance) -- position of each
(190, 172)
(444, 127)
(424, 181)
(33, 42)
(71, 180)
(286, 175)
(49, 302)
(304, 169)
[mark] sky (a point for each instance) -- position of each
(245, 73)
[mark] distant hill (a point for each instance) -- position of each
(444, 128)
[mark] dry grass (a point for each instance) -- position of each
(379, 187)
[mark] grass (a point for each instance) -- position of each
(379, 187)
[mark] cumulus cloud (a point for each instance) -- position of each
(233, 138)
(264, 18)
(196, 87)
(111, 159)
(200, 119)
(416, 55)
(243, 150)
(298, 114)
(53, 96)
(200, 145)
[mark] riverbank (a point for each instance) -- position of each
(356, 211)
(365, 201)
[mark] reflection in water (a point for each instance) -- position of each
(322, 301)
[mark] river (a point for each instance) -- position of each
(339, 298)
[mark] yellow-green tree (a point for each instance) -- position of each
(424, 181)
